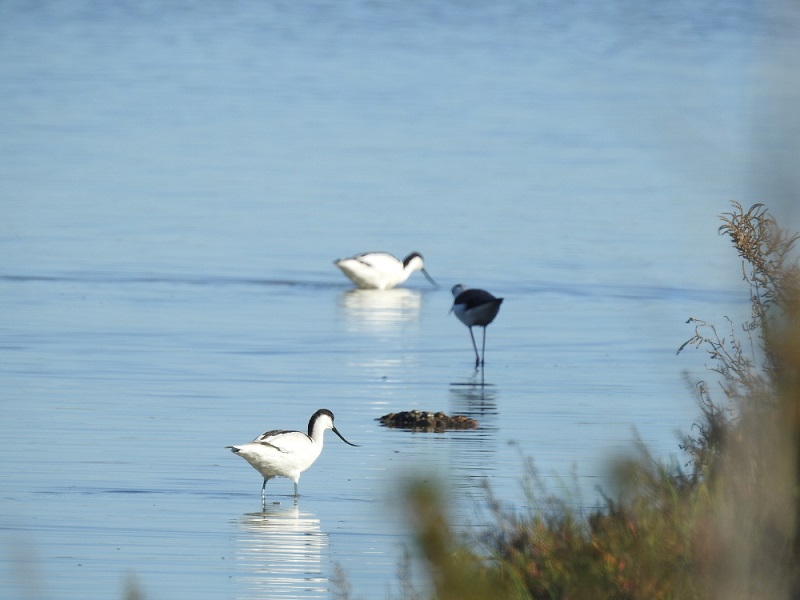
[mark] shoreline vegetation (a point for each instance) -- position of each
(723, 526)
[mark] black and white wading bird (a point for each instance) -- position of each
(475, 308)
(381, 270)
(281, 453)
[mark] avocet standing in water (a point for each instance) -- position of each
(281, 453)
(473, 308)
(381, 270)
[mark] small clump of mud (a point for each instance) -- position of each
(422, 420)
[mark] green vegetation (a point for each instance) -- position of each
(726, 528)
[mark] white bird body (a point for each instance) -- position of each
(381, 270)
(281, 453)
(475, 308)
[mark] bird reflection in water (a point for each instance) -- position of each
(474, 397)
(280, 554)
(476, 379)
(473, 453)
(378, 310)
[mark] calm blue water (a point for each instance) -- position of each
(177, 179)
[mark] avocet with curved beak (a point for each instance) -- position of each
(281, 453)
(381, 270)
(473, 308)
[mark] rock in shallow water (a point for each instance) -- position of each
(422, 420)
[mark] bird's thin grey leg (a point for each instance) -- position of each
(483, 350)
(263, 496)
(475, 346)
(295, 489)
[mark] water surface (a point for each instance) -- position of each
(177, 181)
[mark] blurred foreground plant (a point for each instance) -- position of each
(750, 465)
(727, 529)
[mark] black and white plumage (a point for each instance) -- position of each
(281, 453)
(475, 307)
(381, 270)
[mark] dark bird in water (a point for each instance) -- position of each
(475, 308)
